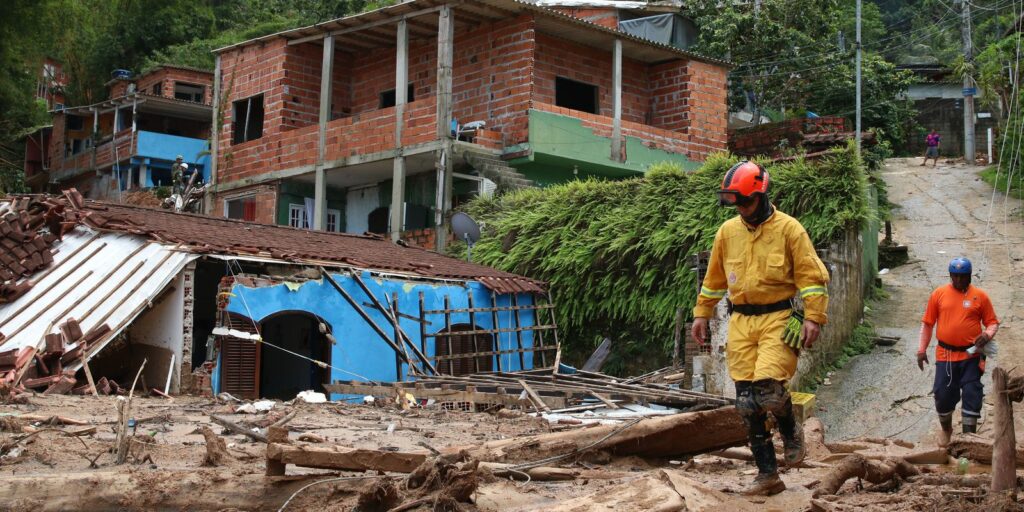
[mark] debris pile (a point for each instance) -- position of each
(43, 370)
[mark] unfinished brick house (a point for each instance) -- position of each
(128, 140)
(327, 126)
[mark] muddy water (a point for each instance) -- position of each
(943, 213)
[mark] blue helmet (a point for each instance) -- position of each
(960, 266)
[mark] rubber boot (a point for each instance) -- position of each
(946, 422)
(792, 434)
(767, 481)
(970, 424)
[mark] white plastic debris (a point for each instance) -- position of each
(255, 407)
(312, 397)
(391, 428)
(368, 400)
(883, 272)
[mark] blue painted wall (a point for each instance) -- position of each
(160, 150)
(360, 354)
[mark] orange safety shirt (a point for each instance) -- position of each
(959, 317)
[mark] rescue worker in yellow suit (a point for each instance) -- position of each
(763, 258)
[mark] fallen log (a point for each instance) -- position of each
(675, 435)
(978, 449)
(238, 429)
(344, 458)
(873, 471)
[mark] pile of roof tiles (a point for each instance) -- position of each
(28, 228)
(29, 368)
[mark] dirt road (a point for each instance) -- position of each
(942, 213)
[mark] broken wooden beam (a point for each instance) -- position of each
(238, 429)
(673, 435)
(344, 458)
(1004, 448)
(978, 449)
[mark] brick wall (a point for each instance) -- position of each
(266, 202)
(167, 78)
(606, 17)
(706, 103)
(771, 138)
(560, 58)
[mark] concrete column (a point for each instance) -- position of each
(320, 186)
(443, 162)
(617, 101)
(214, 139)
(401, 98)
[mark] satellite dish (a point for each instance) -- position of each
(467, 230)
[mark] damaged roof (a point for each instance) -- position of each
(199, 234)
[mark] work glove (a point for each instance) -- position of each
(922, 359)
(982, 340)
(791, 335)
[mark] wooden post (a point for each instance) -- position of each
(401, 98)
(448, 332)
(472, 324)
(423, 328)
(276, 435)
(443, 163)
(398, 333)
(1004, 447)
(677, 339)
(519, 333)
(320, 183)
(617, 101)
(497, 333)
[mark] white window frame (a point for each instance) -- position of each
(336, 221)
(297, 216)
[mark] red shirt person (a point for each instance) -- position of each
(966, 323)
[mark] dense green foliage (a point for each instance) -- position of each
(795, 56)
(616, 254)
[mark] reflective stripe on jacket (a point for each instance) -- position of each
(773, 262)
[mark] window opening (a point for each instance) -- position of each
(576, 95)
(387, 98)
(248, 119)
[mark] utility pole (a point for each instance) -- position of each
(965, 32)
(857, 132)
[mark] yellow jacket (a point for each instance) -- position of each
(770, 263)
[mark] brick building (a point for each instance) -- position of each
(327, 126)
(130, 139)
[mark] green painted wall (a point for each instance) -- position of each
(291, 192)
(561, 144)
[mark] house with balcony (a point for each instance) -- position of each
(129, 140)
(386, 120)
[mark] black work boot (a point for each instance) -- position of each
(946, 422)
(792, 434)
(970, 424)
(767, 481)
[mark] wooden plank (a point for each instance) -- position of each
(238, 429)
(423, 326)
(442, 395)
(365, 26)
(604, 400)
(533, 395)
(483, 354)
(448, 330)
(476, 346)
(403, 338)
(489, 309)
(493, 331)
(516, 323)
(347, 459)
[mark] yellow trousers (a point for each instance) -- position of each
(755, 350)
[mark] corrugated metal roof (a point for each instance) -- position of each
(96, 278)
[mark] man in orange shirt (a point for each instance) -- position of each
(960, 310)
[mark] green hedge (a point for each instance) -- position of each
(616, 253)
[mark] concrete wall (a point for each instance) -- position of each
(158, 334)
(947, 117)
(360, 352)
(845, 260)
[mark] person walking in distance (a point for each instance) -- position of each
(932, 141)
(763, 258)
(966, 325)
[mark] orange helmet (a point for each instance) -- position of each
(742, 183)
